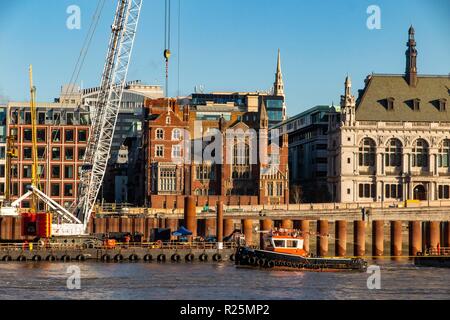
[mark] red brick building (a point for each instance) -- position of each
(175, 167)
(62, 135)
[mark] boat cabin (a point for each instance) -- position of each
(285, 242)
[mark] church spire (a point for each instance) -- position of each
(278, 84)
(263, 117)
(411, 59)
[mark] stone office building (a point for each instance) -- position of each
(393, 142)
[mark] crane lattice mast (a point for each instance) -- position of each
(113, 81)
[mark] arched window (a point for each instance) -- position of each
(367, 153)
(444, 154)
(159, 134)
(176, 134)
(420, 154)
(393, 157)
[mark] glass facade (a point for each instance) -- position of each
(3, 125)
(274, 109)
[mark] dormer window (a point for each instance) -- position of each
(390, 103)
(442, 105)
(416, 104)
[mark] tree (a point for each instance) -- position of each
(297, 193)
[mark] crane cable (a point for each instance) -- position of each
(75, 74)
(167, 32)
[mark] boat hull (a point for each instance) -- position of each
(247, 257)
(430, 261)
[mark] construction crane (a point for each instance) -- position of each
(123, 31)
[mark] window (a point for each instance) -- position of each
(444, 192)
(27, 135)
(56, 153)
(81, 152)
(84, 118)
(68, 189)
(278, 243)
(394, 191)
(168, 120)
(41, 118)
(420, 154)
(204, 172)
(41, 153)
(393, 156)
(367, 190)
(444, 154)
(167, 179)
(2, 170)
(41, 135)
(55, 190)
(26, 171)
(159, 151)
(82, 135)
(27, 153)
(176, 151)
(56, 135)
(176, 134)
(69, 135)
(291, 243)
(56, 117)
(14, 171)
(241, 161)
(279, 189)
(159, 134)
(68, 172)
(416, 104)
(68, 153)
(270, 189)
(27, 117)
(70, 118)
(390, 103)
(367, 153)
(56, 172)
(2, 152)
(442, 105)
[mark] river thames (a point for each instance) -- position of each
(171, 281)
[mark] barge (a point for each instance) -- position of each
(438, 258)
(283, 249)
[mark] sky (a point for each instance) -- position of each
(226, 45)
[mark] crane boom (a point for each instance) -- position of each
(113, 81)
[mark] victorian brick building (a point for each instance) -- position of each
(212, 152)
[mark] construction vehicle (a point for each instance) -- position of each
(69, 225)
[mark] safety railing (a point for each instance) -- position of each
(118, 245)
(441, 251)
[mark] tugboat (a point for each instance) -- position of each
(283, 250)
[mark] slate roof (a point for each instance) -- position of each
(372, 104)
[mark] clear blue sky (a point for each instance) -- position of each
(228, 45)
